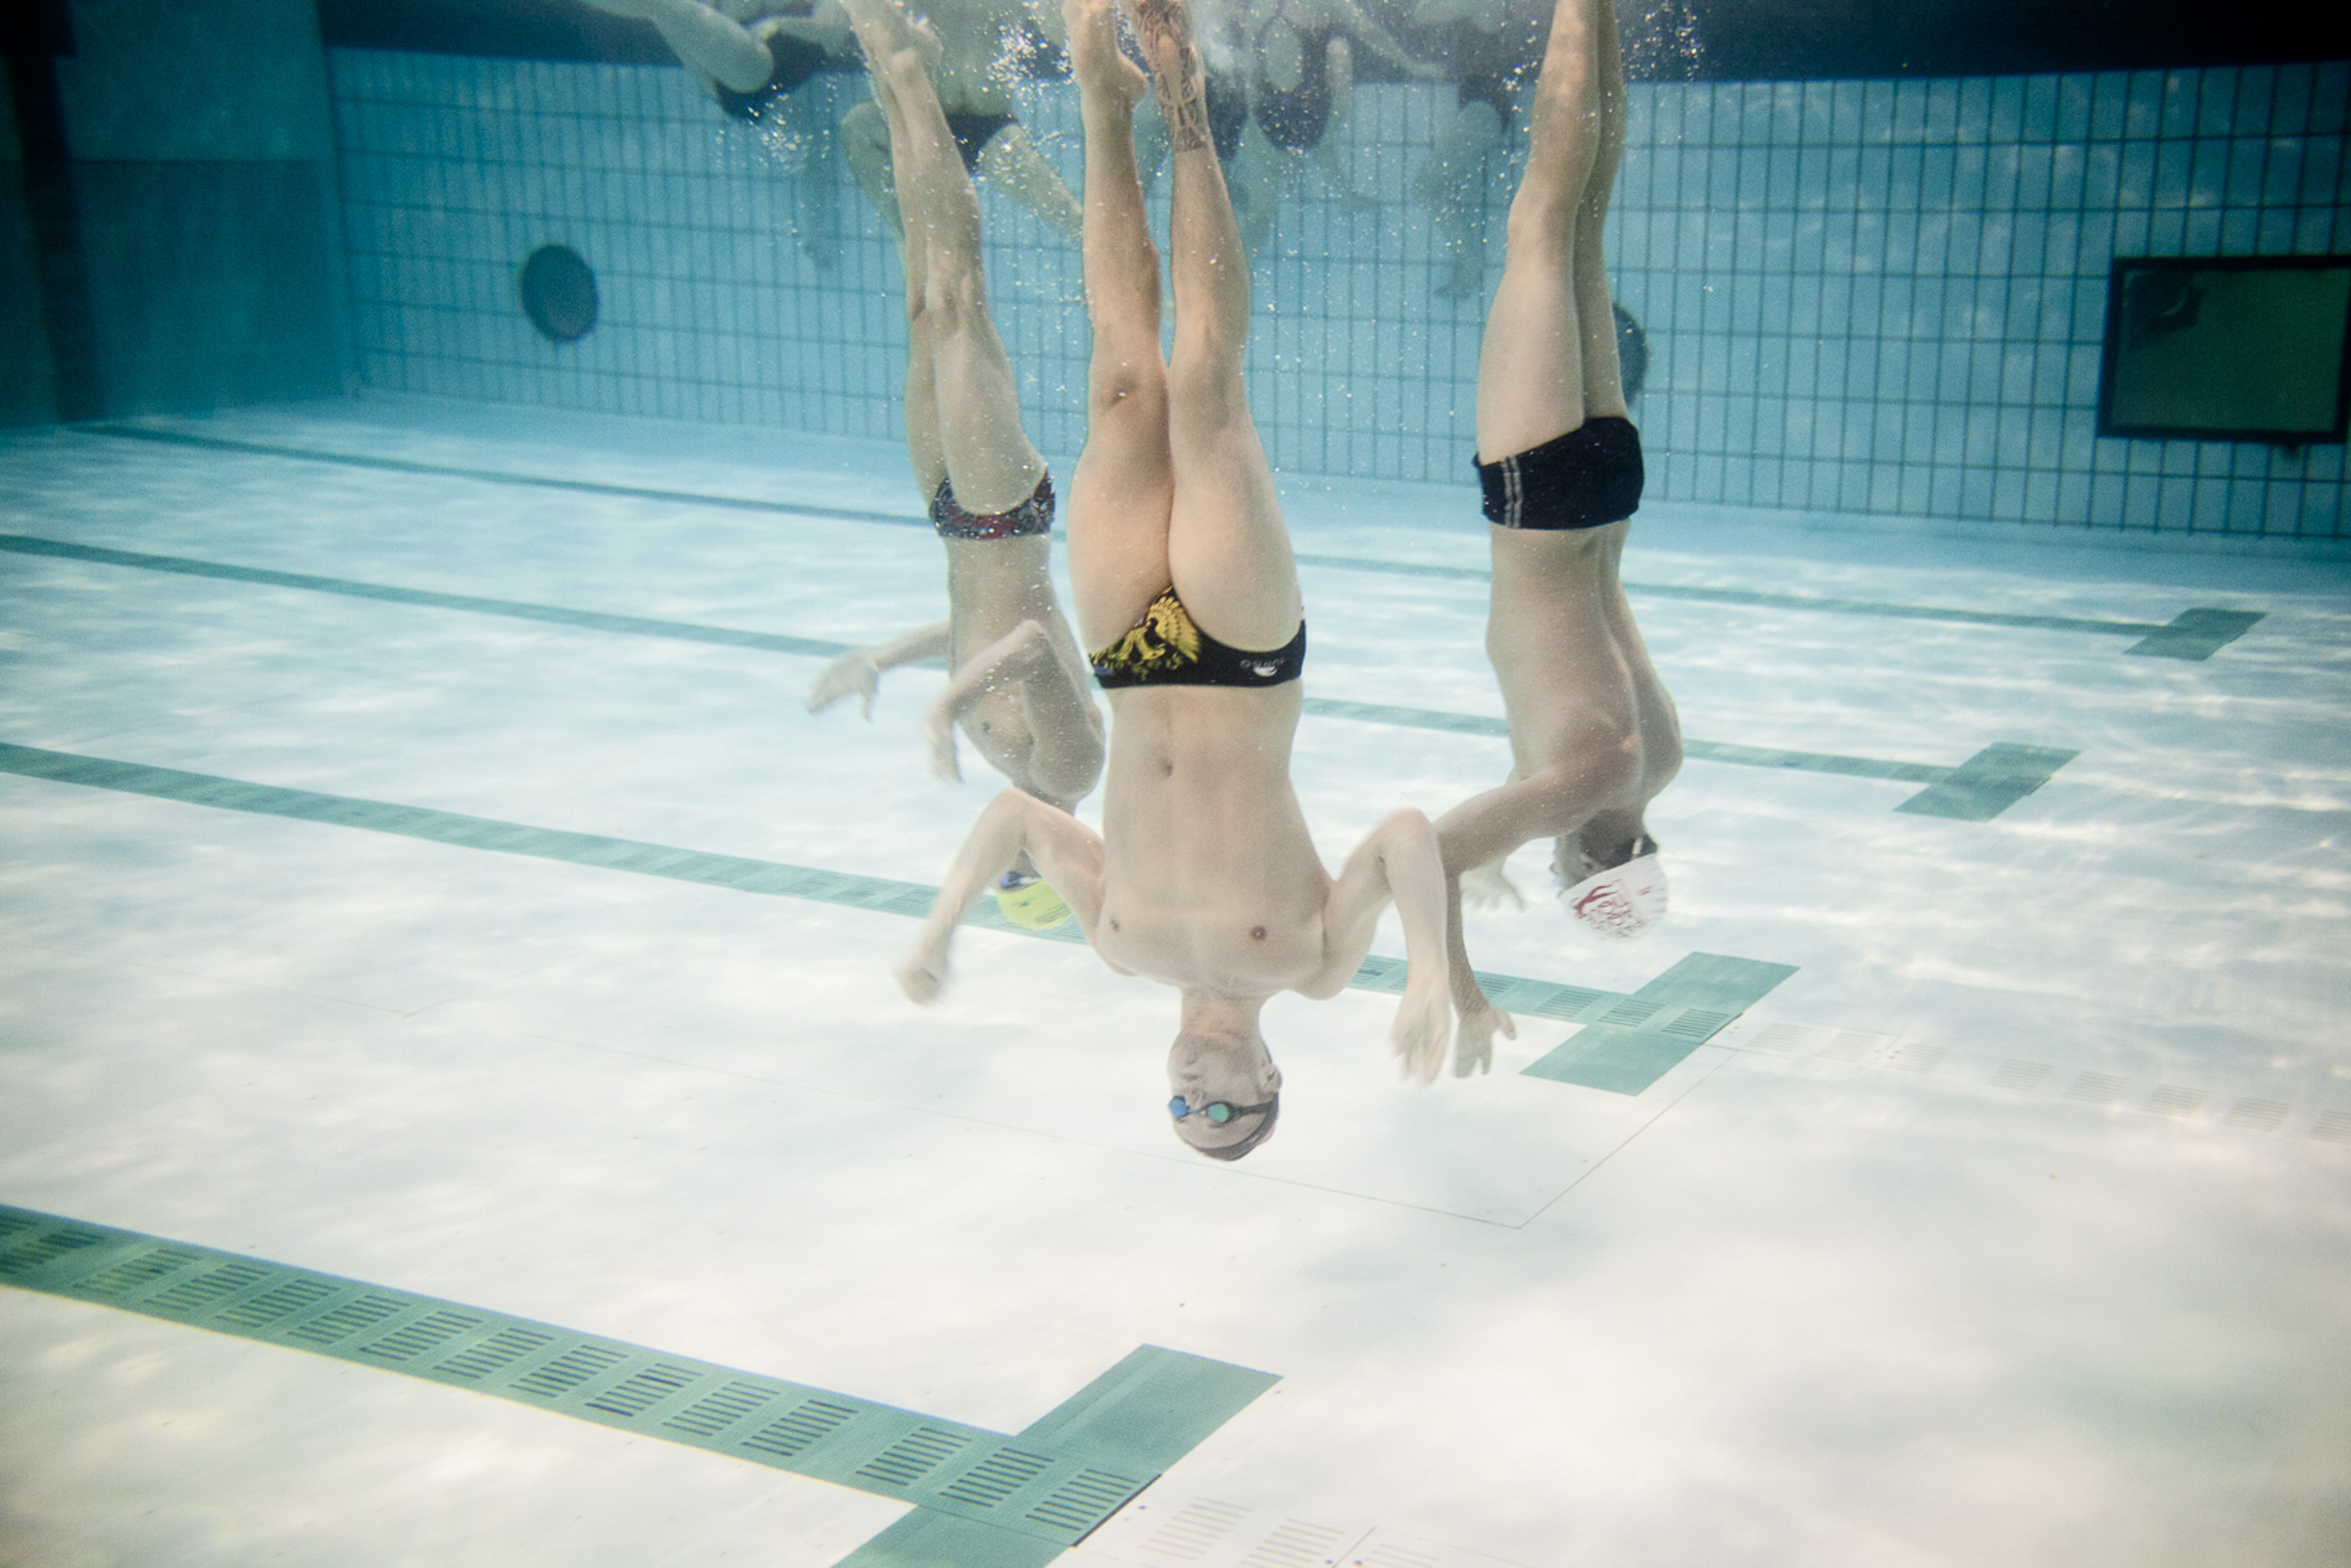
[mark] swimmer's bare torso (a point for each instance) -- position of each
(1593, 736)
(1209, 877)
(994, 587)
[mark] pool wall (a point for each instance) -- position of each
(1861, 296)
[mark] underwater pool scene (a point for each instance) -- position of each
(462, 1093)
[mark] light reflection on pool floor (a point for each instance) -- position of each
(1979, 1239)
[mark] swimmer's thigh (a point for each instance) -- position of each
(1228, 552)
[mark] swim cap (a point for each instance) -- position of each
(1621, 901)
(1029, 902)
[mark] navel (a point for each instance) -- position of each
(1256, 933)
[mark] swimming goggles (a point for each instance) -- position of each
(1215, 1111)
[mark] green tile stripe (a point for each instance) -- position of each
(739, 873)
(1144, 1413)
(1049, 1486)
(1704, 751)
(443, 471)
(515, 610)
(1629, 1046)
(1990, 782)
(2193, 634)
(770, 642)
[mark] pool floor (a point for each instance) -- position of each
(455, 1109)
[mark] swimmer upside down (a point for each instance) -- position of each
(1204, 877)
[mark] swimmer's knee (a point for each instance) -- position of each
(1123, 387)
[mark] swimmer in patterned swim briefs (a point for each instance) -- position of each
(1017, 687)
(1594, 735)
(1204, 877)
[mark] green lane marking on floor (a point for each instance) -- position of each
(1009, 1496)
(1704, 751)
(1630, 1045)
(443, 471)
(774, 642)
(2191, 634)
(1142, 1414)
(2195, 634)
(1988, 783)
(2204, 628)
(515, 610)
(738, 873)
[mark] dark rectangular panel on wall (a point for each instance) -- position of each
(2235, 348)
(211, 282)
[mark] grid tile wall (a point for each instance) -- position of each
(1890, 297)
(1861, 297)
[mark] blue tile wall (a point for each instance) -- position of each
(1860, 296)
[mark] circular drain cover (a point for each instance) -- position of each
(558, 293)
(1632, 351)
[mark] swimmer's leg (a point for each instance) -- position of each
(714, 45)
(1125, 482)
(1330, 153)
(1533, 380)
(1452, 183)
(865, 143)
(990, 462)
(1228, 553)
(1012, 163)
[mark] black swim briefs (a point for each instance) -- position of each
(1585, 478)
(1029, 519)
(973, 133)
(1163, 647)
(795, 61)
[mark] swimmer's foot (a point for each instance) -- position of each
(1100, 67)
(1163, 32)
(884, 29)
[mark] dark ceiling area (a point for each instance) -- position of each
(1736, 41)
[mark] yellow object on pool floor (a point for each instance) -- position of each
(1029, 902)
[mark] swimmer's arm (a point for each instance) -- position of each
(1067, 853)
(1542, 805)
(1401, 863)
(860, 670)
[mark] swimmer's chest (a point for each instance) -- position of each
(1226, 944)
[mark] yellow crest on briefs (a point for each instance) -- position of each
(1163, 639)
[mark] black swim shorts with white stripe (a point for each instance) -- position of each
(1590, 476)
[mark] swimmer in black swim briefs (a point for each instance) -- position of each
(1204, 876)
(1593, 736)
(1163, 647)
(1017, 684)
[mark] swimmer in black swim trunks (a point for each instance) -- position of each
(1593, 736)
(1203, 876)
(1017, 686)
(974, 47)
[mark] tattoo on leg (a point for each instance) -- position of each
(1177, 80)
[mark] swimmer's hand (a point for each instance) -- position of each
(939, 734)
(1473, 1046)
(1485, 887)
(1424, 1026)
(922, 976)
(854, 672)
